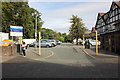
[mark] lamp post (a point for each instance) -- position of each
(36, 15)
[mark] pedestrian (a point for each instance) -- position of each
(87, 44)
(23, 49)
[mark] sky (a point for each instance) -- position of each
(56, 15)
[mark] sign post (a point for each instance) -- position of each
(39, 44)
(17, 31)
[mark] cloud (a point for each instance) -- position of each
(70, 0)
(78, 9)
(57, 19)
(56, 15)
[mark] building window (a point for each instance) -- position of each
(113, 13)
(103, 29)
(116, 11)
(113, 19)
(108, 21)
(110, 14)
(116, 17)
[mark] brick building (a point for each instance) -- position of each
(108, 27)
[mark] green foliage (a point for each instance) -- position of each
(50, 34)
(77, 28)
(61, 39)
(67, 38)
(20, 14)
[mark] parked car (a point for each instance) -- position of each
(29, 42)
(82, 42)
(31, 45)
(58, 42)
(44, 43)
(53, 42)
(79, 41)
(93, 42)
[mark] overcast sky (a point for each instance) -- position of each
(56, 15)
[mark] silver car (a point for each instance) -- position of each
(44, 43)
(53, 42)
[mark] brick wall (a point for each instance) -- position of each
(8, 50)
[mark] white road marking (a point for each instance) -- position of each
(52, 53)
(63, 47)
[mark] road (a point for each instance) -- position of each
(65, 61)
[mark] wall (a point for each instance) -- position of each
(8, 50)
(111, 42)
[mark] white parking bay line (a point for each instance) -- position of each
(52, 53)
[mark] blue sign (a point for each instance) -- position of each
(16, 31)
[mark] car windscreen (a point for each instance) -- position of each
(51, 40)
(93, 40)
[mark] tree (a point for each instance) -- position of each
(67, 38)
(50, 34)
(20, 14)
(77, 28)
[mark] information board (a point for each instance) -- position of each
(16, 31)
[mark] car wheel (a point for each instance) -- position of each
(90, 45)
(53, 45)
(28, 45)
(47, 46)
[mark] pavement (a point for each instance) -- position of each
(31, 55)
(103, 55)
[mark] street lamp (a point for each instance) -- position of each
(36, 15)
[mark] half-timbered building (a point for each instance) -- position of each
(108, 27)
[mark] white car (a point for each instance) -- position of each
(54, 43)
(82, 42)
(29, 42)
(93, 42)
(58, 42)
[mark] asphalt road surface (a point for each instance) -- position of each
(66, 61)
